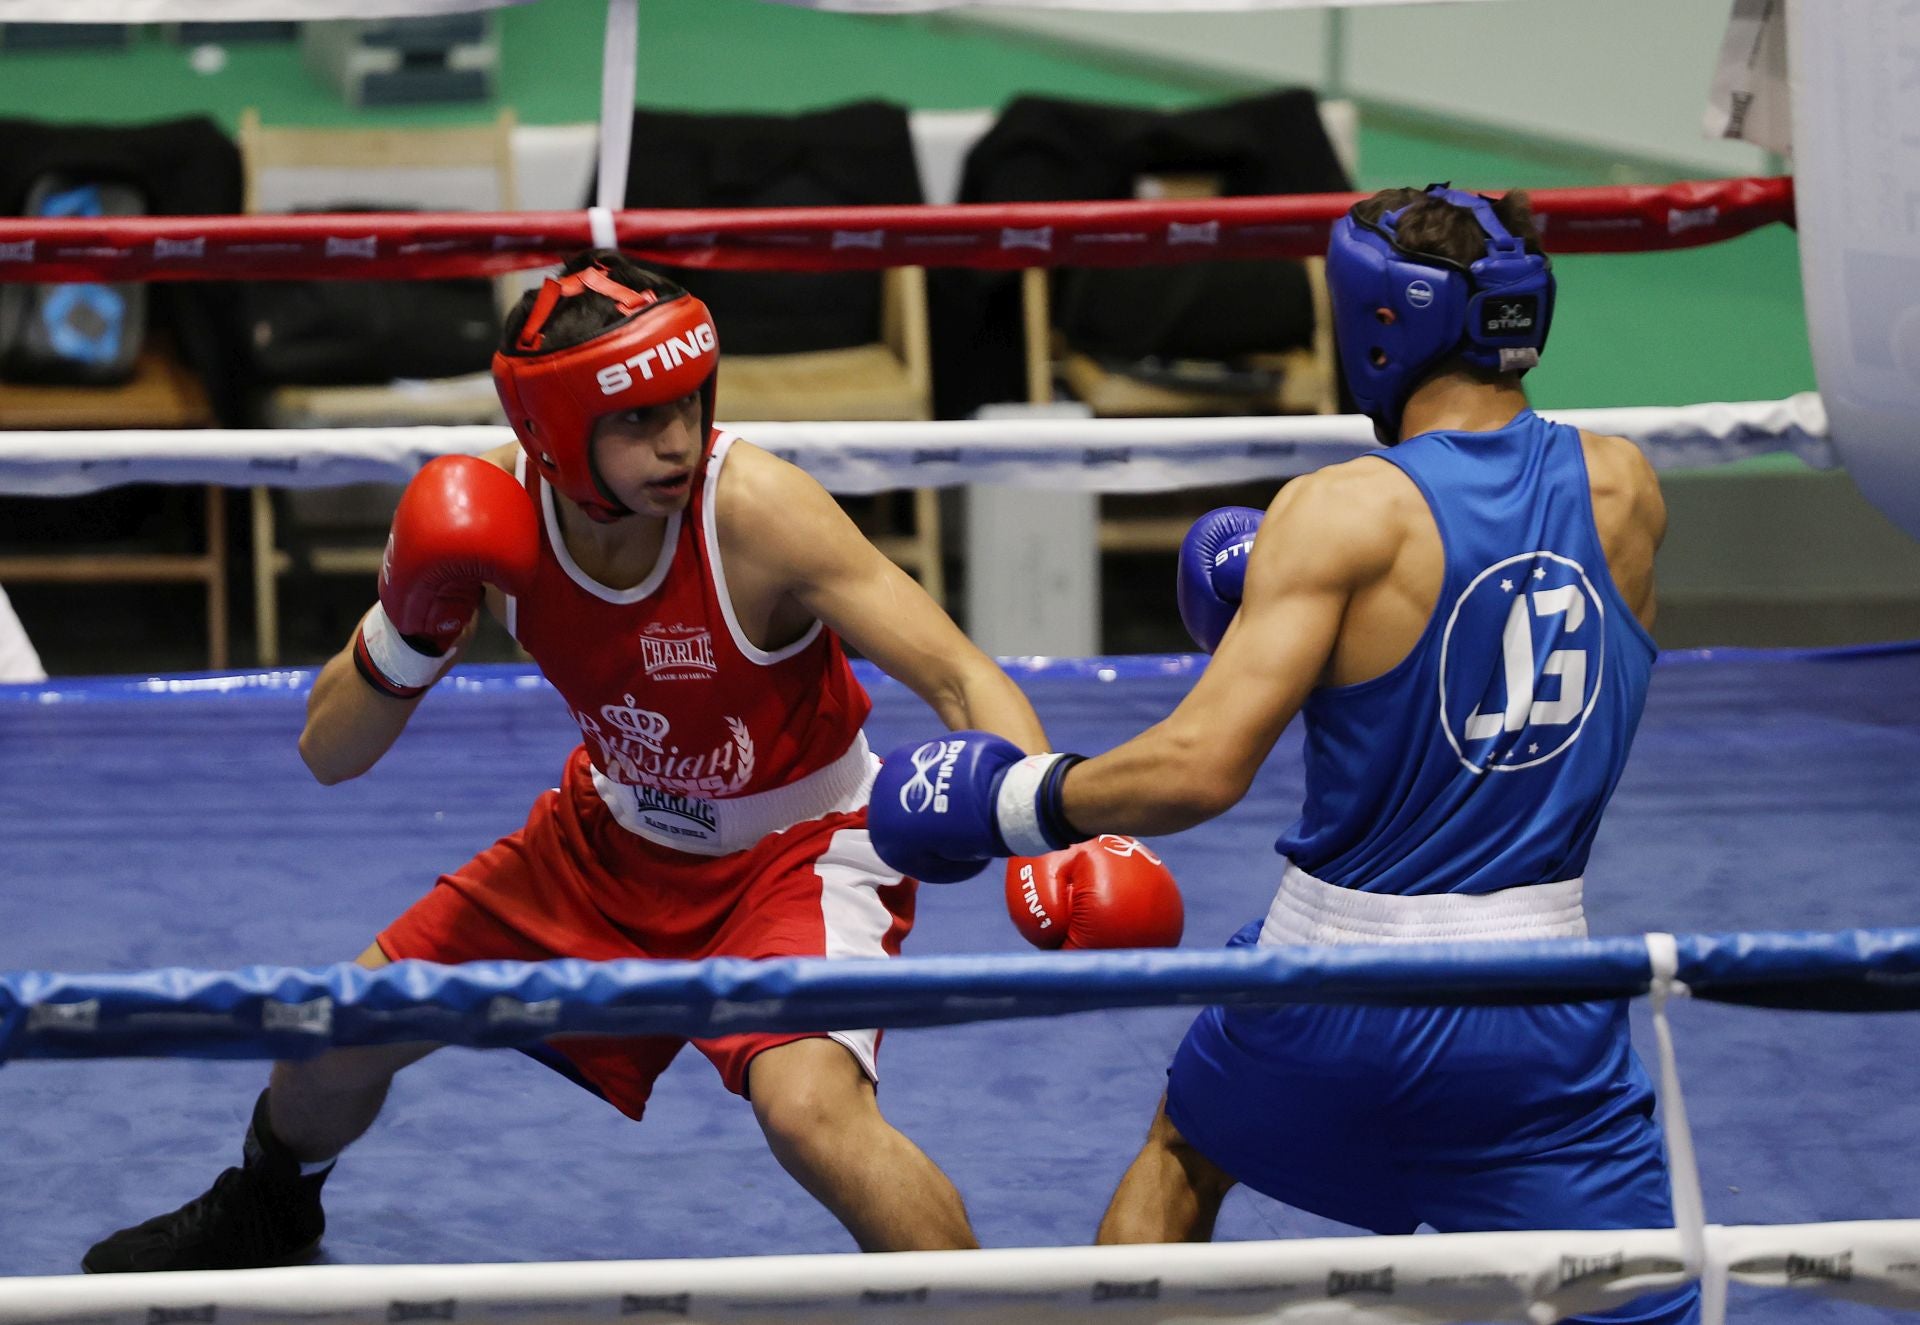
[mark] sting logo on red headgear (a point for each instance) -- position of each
(662, 358)
(660, 350)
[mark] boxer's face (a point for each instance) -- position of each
(648, 456)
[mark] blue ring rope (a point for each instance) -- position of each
(284, 1012)
(498, 678)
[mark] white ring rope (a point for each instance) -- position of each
(1532, 1276)
(1099, 455)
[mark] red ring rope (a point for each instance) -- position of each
(420, 245)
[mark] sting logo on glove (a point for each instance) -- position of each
(932, 773)
(1112, 892)
(941, 809)
(1125, 847)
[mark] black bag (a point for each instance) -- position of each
(368, 333)
(1205, 310)
(860, 154)
(185, 167)
(365, 333)
(76, 333)
(1045, 149)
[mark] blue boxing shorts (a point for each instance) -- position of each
(1465, 1119)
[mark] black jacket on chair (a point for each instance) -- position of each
(859, 154)
(1045, 149)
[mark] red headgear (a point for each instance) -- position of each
(660, 350)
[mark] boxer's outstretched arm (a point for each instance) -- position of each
(1326, 535)
(791, 523)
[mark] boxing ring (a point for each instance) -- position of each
(167, 822)
(1769, 794)
(162, 831)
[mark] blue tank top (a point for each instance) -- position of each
(1484, 758)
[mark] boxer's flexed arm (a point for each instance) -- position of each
(787, 543)
(1326, 536)
(463, 524)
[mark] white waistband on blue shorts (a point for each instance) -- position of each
(1308, 910)
(722, 825)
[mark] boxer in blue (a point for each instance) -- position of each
(1463, 618)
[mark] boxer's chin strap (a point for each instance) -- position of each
(1689, 1206)
(1027, 810)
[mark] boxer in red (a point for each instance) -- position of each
(686, 593)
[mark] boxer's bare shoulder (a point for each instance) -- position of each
(1629, 514)
(1354, 522)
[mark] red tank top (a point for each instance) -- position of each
(699, 740)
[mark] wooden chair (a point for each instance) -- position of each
(291, 168)
(161, 394)
(889, 379)
(1305, 380)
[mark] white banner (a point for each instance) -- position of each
(1749, 98)
(230, 11)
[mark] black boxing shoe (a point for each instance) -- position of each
(266, 1212)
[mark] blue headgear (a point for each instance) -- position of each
(1397, 314)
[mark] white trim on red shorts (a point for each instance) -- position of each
(856, 920)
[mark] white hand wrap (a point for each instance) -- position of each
(1016, 810)
(387, 652)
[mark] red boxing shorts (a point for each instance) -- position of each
(574, 883)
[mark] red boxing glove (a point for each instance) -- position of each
(1110, 892)
(462, 524)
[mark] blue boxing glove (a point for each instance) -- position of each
(941, 809)
(1213, 571)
